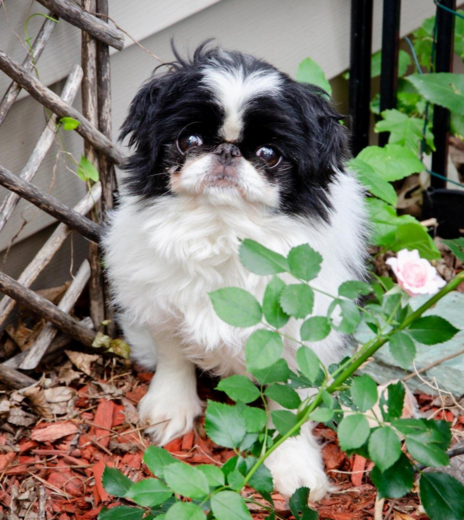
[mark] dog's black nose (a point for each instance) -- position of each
(226, 152)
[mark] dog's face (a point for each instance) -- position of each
(230, 127)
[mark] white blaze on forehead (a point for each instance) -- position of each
(233, 89)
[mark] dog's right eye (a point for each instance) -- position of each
(187, 142)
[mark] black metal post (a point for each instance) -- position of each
(441, 116)
(360, 73)
(390, 53)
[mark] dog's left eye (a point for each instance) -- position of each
(187, 142)
(269, 155)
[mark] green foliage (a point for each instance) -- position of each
(121, 513)
(185, 511)
(402, 349)
(373, 181)
(69, 123)
(442, 496)
(441, 88)
(384, 447)
(310, 72)
(353, 432)
(228, 505)
(186, 480)
(157, 460)
(304, 263)
(308, 363)
(224, 424)
(236, 307)
(115, 482)
(299, 505)
(315, 328)
(272, 309)
(457, 247)
(263, 349)
(87, 171)
(150, 492)
(395, 481)
(364, 392)
(431, 330)
(297, 300)
(239, 388)
(261, 260)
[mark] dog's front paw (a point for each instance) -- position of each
(167, 418)
(298, 463)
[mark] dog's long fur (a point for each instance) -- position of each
(176, 234)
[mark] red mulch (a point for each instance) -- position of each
(66, 456)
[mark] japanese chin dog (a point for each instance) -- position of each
(226, 147)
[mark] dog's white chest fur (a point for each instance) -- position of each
(164, 257)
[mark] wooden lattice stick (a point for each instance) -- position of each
(31, 59)
(14, 379)
(43, 145)
(48, 333)
(51, 246)
(90, 111)
(61, 341)
(41, 306)
(54, 103)
(50, 205)
(72, 13)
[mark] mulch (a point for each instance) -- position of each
(55, 443)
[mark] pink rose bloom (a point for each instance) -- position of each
(415, 274)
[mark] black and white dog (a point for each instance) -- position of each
(226, 147)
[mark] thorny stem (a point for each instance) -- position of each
(351, 369)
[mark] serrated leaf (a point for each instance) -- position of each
(150, 492)
(430, 330)
(322, 415)
(236, 306)
(396, 481)
(304, 262)
(441, 88)
(404, 60)
(213, 474)
(402, 349)
(261, 260)
(272, 309)
(395, 400)
(351, 317)
(69, 123)
(414, 236)
(262, 349)
(239, 388)
(353, 432)
(457, 247)
(157, 459)
(308, 362)
(122, 513)
(228, 505)
(224, 424)
(276, 373)
(262, 480)
(185, 511)
(284, 395)
(352, 289)
(297, 300)
(364, 392)
(428, 454)
(311, 72)
(299, 505)
(186, 480)
(87, 171)
(255, 419)
(236, 480)
(284, 421)
(375, 184)
(384, 447)
(315, 328)
(442, 496)
(115, 482)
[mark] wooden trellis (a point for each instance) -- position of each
(93, 75)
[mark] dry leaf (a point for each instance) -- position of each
(5, 406)
(110, 389)
(38, 402)
(19, 417)
(60, 399)
(82, 361)
(54, 294)
(130, 411)
(67, 375)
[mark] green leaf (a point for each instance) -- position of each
(396, 481)
(430, 330)
(224, 424)
(276, 373)
(236, 480)
(404, 131)
(297, 300)
(310, 72)
(304, 262)
(228, 505)
(262, 349)
(284, 395)
(239, 388)
(186, 480)
(364, 392)
(395, 400)
(262, 480)
(352, 289)
(322, 415)
(442, 496)
(255, 419)
(308, 363)
(402, 349)
(69, 123)
(351, 316)
(87, 171)
(428, 454)
(299, 505)
(284, 421)
(392, 162)
(404, 60)
(214, 475)
(353, 432)
(261, 260)
(115, 482)
(185, 511)
(457, 125)
(425, 431)
(157, 459)
(441, 88)
(236, 306)
(150, 492)
(384, 447)
(414, 236)
(122, 513)
(272, 310)
(457, 247)
(373, 181)
(315, 328)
